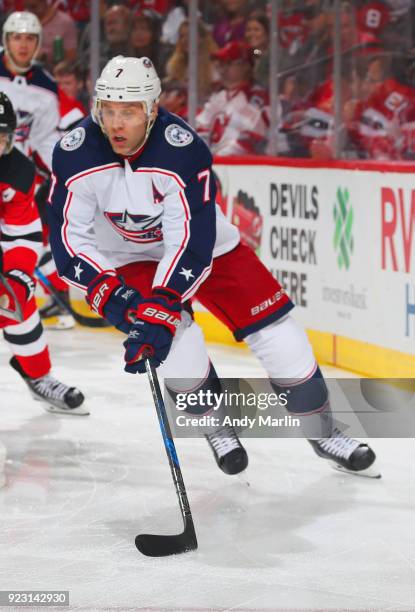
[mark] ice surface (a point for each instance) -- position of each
(300, 536)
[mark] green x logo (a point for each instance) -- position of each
(343, 219)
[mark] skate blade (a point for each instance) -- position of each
(370, 472)
(79, 411)
(60, 322)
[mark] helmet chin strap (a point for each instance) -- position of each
(14, 66)
(150, 123)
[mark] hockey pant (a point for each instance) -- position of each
(27, 342)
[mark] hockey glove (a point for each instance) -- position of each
(116, 302)
(152, 334)
(15, 294)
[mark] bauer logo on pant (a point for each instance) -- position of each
(73, 140)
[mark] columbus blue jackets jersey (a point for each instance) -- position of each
(34, 96)
(107, 211)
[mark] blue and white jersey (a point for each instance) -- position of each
(107, 211)
(34, 96)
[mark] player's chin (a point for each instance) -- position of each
(23, 60)
(120, 146)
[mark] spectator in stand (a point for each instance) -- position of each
(55, 25)
(177, 65)
(232, 25)
(71, 80)
(257, 37)
(310, 129)
(352, 37)
(117, 29)
(171, 12)
(375, 71)
(294, 31)
(383, 125)
(399, 31)
(372, 17)
(174, 98)
(172, 22)
(234, 121)
(115, 35)
(145, 39)
(80, 11)
(316, 53)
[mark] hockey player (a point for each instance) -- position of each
(34, 95)
(134, 224)
(20, 243)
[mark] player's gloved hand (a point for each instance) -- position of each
(152, 334)
(22, 289)
(116, 302)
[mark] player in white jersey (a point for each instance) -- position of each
(32, 91)
(134, 224)
(34, 95)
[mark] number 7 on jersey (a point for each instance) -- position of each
(205, 176)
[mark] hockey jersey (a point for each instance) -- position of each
(159, 205)
(20, 227)
(34, 96)
(382, 121)
(71, 111)
(235, 122)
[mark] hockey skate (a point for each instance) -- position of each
(346, 454)
(51, 309)
(57, 397)
(229, 453)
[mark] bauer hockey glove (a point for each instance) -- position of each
(152, 334)
(116, 302)
(16, 293)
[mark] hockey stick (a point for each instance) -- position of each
(81, 319)
(163, 545)
(16, 314)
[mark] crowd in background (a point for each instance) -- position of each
(377, 82)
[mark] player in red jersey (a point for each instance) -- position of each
(20, 243)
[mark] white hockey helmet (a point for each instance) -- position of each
(128, 79)
(21, 22)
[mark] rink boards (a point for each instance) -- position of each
(340, 236)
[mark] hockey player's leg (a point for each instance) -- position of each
(188, 369)
(31, 360)
(293, 367)
(55, 316)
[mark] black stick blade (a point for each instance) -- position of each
(164, 545)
